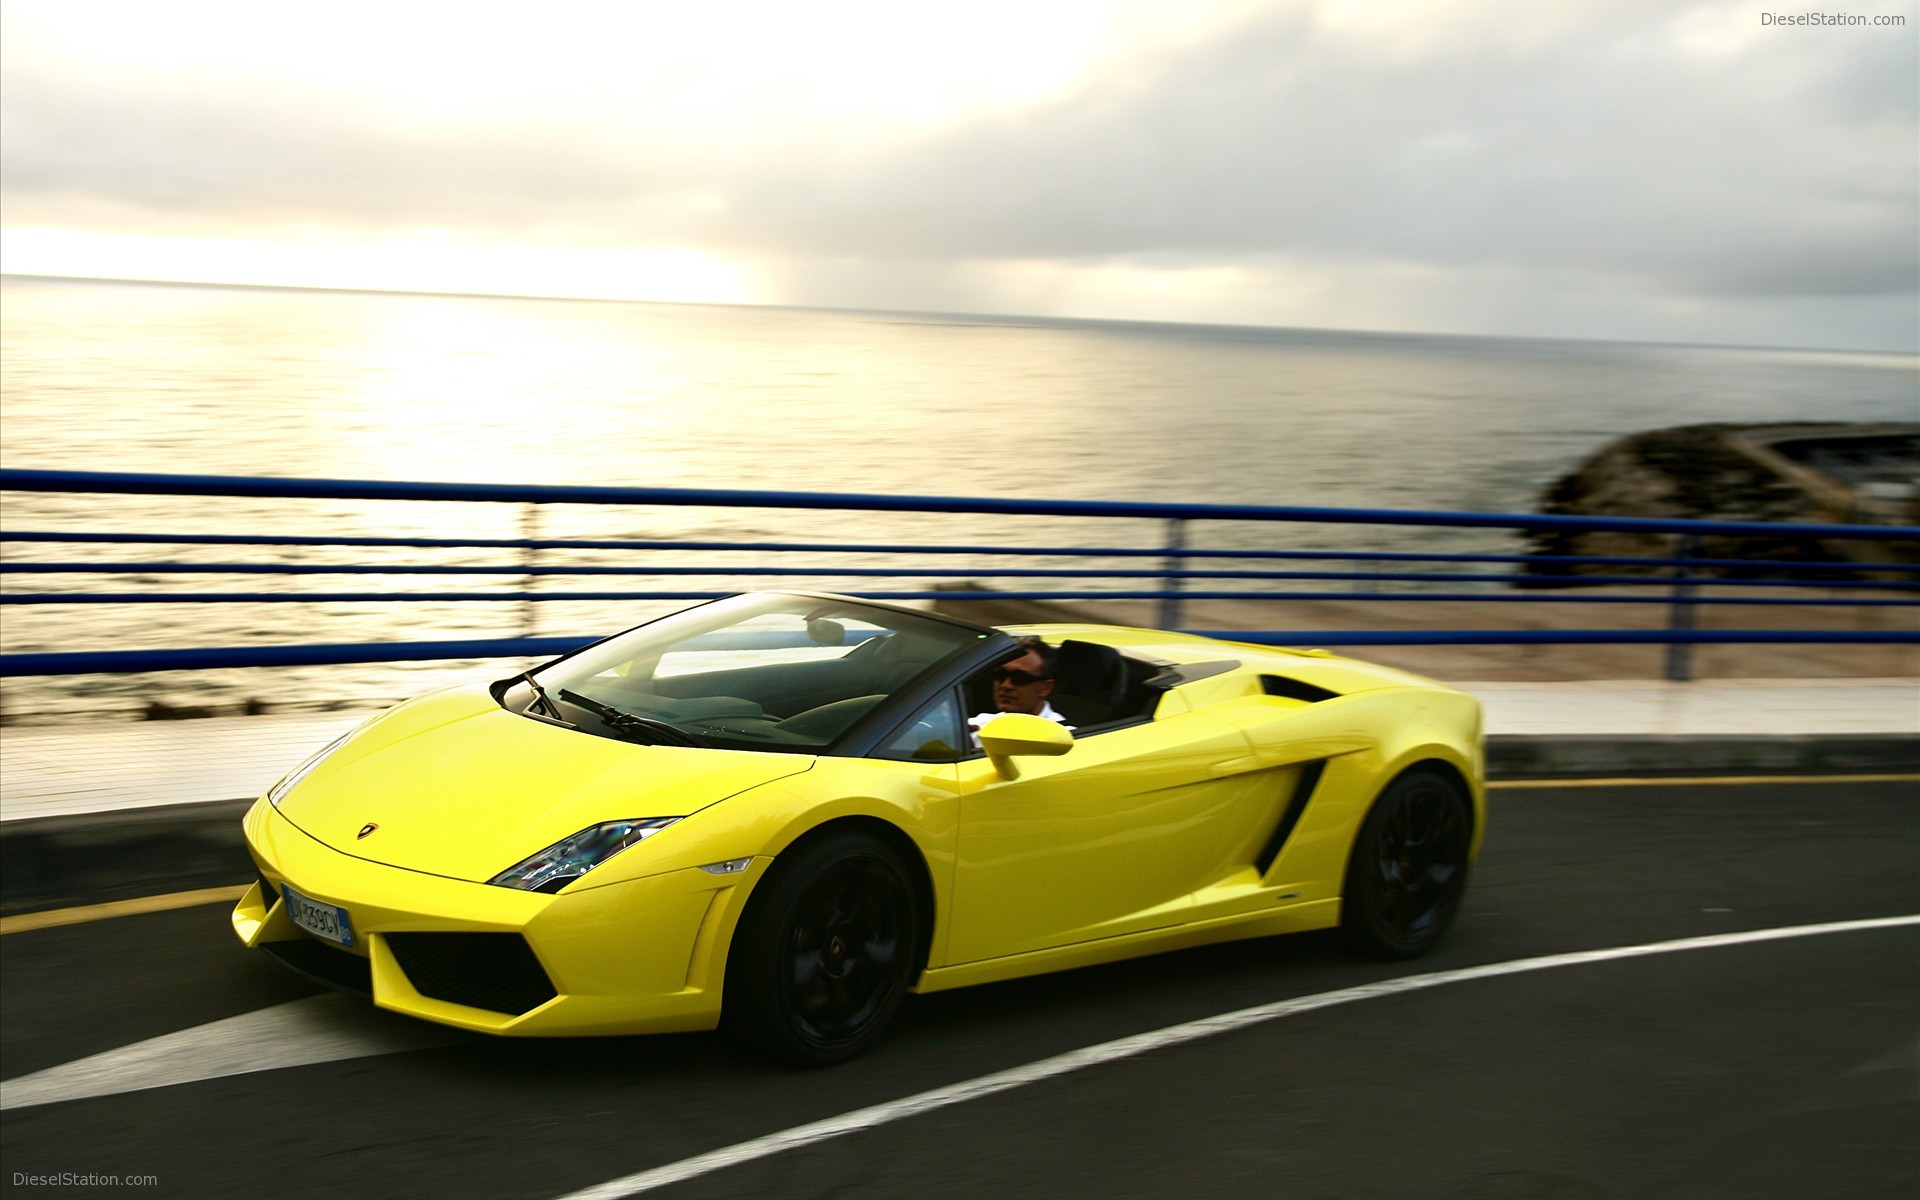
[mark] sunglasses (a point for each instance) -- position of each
(1018, 678)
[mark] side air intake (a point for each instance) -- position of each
(1303, 787)
(1293, 689)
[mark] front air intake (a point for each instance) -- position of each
(494, 971)
(323, 964)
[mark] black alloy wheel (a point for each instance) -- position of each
(1409, 866)
(825, 951)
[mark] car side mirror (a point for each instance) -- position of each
(822, 632)
(1010, 735)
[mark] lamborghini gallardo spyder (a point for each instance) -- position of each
(773, 812)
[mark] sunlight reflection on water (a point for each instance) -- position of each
(343, 385)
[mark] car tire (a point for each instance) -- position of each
(1408, 869)
(825, 951)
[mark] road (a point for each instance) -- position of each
(1786, 1067)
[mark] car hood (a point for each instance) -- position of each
(454, 785)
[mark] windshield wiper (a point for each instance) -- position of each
(541, 698)
(626, 722)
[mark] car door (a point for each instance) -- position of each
(1111, 838)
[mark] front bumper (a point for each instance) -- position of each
(643, 956)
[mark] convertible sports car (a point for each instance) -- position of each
(770, 811)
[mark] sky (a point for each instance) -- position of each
(1657, 170)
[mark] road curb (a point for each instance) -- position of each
(49, 862)
(89, 858)
(1516, 755)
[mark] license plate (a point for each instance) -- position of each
(327, 921)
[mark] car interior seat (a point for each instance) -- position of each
(1090, 682)
(891, 660)
(830, 720)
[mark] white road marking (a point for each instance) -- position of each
(315, 1030)
(1160, 1039)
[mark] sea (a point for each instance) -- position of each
(115, 376)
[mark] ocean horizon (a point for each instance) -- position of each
(963, 317)
(326, 383)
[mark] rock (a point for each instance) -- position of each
(160, 710)
(1709, 472)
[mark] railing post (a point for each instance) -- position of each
(1176, 542)
(529, 558)
(1680, 608)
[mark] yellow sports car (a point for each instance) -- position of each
(783, 811)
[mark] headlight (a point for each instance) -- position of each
(563, 862)
(278, 791)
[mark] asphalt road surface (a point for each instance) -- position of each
(1785, 1067)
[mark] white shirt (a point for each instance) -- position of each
(975, 722)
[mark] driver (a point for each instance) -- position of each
(1022, 686)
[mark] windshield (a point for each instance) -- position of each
(760, 672)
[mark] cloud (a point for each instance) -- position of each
(1652, 162)
(1777, 170)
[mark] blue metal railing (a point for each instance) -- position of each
(1678, 574)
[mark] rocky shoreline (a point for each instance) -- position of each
(1802, 472)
